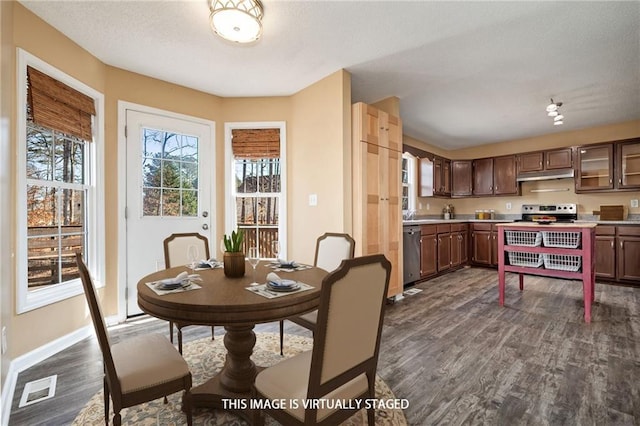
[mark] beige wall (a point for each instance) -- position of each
(316, 128)
(587, 203)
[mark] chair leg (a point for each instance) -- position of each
(179, 340)
(281, 336)
(213, 337)
(106, 402)
(117, 420)
(171, 331)
(371, 412)
(187, 407)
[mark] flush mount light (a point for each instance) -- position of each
(239, 21)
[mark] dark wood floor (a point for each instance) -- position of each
(457, 356)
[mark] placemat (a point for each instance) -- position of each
(154, 286)
(263, 291)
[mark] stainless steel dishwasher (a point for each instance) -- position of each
(411, 253)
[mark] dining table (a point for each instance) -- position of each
(234, 304)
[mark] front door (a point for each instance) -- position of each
(169, 181)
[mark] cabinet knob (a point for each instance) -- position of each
(621, 246)
(611, 244)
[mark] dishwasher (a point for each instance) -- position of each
(411, 253)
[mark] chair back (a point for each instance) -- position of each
(99, 325)
(175, 248)
(332, 248)
(349, 326)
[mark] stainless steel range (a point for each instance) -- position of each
(549, 212)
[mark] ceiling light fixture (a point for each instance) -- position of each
(553, 110)
(239, 21)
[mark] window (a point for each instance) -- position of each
(58, 202)
(409, 188)
(257, 180)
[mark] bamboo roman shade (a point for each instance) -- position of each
(55, 105)
(255, 143)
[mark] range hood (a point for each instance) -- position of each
(545, 175)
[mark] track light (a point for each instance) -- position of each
(553, 110)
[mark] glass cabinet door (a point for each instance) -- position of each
(595, 167)
(629, 164)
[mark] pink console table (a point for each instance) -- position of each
(563, 250)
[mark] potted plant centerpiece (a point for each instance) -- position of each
(233, 255)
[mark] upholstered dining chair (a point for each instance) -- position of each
(139, 369)
(331, 249)
(342, 364)
(175, 254)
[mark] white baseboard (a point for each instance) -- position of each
(36, 356)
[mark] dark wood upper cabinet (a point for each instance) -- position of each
(504, 175)
(461, 178)
(441, 176)
(558, 159)
(595, 168)
(531, 162)
(483, 176)
(628, 164)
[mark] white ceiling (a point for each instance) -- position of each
(466, 73)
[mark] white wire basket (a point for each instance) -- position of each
(531, 260)
(562, 262)
(523, 238)
(561, 239)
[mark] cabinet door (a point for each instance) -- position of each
(426, 175)
(483, 176)
(428, 255)
(464, 247)
(605, 248)
(461, 178)
(504, 175)
(456, 249)
(367, 123)
(481, 241)
(444, 252)
(559, 159)
(494, 248)
(438, 186)
(531, 162)
(629, 165)
(628, 255)
(595, 168)
(446, 177)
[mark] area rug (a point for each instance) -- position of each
(204, 356)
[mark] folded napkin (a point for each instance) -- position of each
(175, 280)
(275, 280)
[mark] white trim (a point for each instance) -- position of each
(123, 106)
(27, 300)
(38, 355)
(412, 184)
(229, 196)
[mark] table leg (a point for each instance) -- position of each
(234, 381)
(521, 277)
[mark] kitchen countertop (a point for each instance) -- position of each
(551, 225)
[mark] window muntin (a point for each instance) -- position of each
(257, 195)
(169, 174)
(56, 208)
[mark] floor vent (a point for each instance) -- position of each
(38, 390)
(412, 291)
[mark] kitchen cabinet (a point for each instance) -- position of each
(605, 247)
(628, 164)
(461, 178)
(483, 176)
(504, 175)
(628, 251)
(484, 244)
(459, 245)
(428, 250)
(594, 168)
(444, 247)
(545, 160)
(377, 162)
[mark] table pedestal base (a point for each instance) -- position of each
(230, 389)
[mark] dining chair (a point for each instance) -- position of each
(175, 254)
(139, 369)
(331, 249)
(343, 361)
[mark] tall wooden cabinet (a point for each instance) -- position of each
(377, 162)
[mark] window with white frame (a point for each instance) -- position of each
(58, 203)
(409, 188)
(258, 200)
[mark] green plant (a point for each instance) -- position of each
(233, 243)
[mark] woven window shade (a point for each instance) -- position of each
(255, 143)
(55, 105)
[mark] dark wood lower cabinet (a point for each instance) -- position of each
(629, 257)
(444, 252)
(618, 253)
(428, 255)
(605, 256)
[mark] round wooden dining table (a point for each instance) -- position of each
(226, 302)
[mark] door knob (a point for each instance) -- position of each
(205, 226)
(205, 214)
